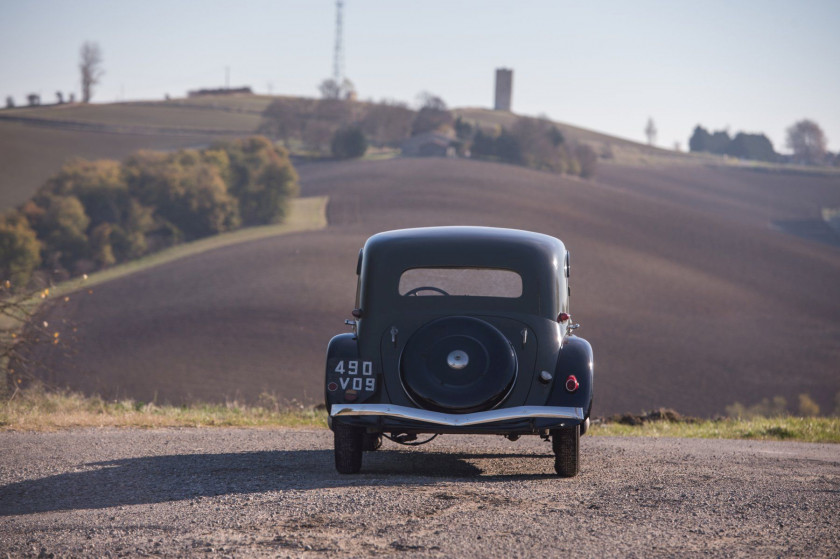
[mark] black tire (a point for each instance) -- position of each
(566, 443)
(371, 441)
(348, 448)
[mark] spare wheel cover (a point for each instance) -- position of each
(458, 364)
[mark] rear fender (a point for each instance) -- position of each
(575, 359)
(348, 378)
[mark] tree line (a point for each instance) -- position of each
(93, 214)
(91, 72)
(804, 138)
(345, 128)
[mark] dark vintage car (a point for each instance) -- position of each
(459, 330)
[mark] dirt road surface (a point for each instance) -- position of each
(236, 492)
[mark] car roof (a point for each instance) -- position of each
(463, 246)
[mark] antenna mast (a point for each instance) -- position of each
(338, 54)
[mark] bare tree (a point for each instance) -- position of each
(10, 102)
(650, 131)
(428, 100)
(331, 89)
(90, 65)
(807, 141)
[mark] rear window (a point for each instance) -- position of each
(474, 282)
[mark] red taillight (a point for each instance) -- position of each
(563, 317)
(572, 383)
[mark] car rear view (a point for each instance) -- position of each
(459, 330)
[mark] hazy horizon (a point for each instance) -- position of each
(748, 66)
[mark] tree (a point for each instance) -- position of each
(349, 143)
(463, 129)
(807, 141)
(280, 120)
(719, 142)
(757, 147)
(699, 140)
(650, 132)
(555, 136)
(483, 145)
(20, 250)
(508, 148)
(262, 179)
(331, 89)
(588, 160)
(61, 223)
(186, 191)
(428, 100)
(387, 123)
(90, 65)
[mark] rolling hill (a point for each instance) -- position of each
(35, 142)
(684, 280)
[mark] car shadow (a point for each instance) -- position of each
(158, 479)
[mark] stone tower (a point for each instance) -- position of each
(504, 89)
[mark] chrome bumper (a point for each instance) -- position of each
(459, 419)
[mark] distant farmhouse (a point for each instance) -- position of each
(430, 144)
(220, 91)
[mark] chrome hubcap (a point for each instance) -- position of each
(457, 359)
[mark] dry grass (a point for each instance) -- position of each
(35, 409)
(785, 428)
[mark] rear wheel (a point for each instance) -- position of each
(348, 448)
(566, 444)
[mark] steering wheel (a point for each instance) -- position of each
(417, 290)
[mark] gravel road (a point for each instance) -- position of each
(245, 492)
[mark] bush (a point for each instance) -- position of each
(766, 408)
(98, 185)
(536, 143)
(61, 224)
(185, 191)
(262, 179)
(20, 250)
(349, 143)
(807, 406)
(387, 124)
(93, 214)
(588, 160)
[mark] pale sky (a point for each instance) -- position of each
(754, 66)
